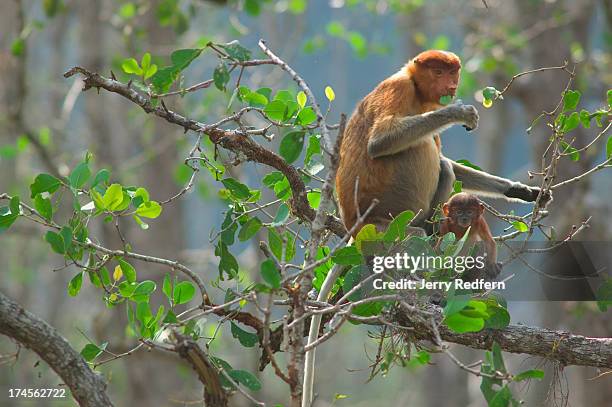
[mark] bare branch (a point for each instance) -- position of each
(86, 386)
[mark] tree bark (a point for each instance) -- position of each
(87, 388)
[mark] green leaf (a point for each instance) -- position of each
(221, 76)
(347, 256)
(105, 276)
(270, 274)
(238, 190)
(272, 178)
(113, 197)
(297, 6)
(329, 93)
(455, 303)
(567, 149)
(249, 229)
(74, 285)
(498, 359)
(502, 398)
(18, 46)
(461, 324)
(585, 119)
(183, 292)
(291, 146)
(529, 374)
(143, 194)
(127, 11)
(167, 287)
(51, 7)
(275, 242)
(301, 99)
(66, 234)
(282, 189)
(252, 7)
(143, 291)
(314, 147)
(127, 289)
(150, 209)
(130, 66)
(397, 227)
(91, 351)
(164, 78)
(56, 242)
(145, 61)
(520, 226)
(246, 379)
(306, 116)
(276, 110)
(143, 312)
(609, 148)
(469, 164)
(151, 71)
(79, 175)
(445, 100)
(281, 215)
(604, 295)
(227, 262)
(253, 98)
(44, 183)
(572, 121)
(289, 246)
(170, 318)
(128, 270)
(182, 58)
(314, 199)
(499, 318)
(103, 176)
(246, 339)
(609, 95)
(229, 227)
(236, 51)
(489, 93)
(9, 214)
(570, 100)
(367, 233)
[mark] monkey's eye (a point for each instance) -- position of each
(438, 72)
(454, 72)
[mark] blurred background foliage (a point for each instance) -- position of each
(47, 125)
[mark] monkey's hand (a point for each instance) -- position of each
(529, 194)
(466, 114)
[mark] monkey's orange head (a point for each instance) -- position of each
(463, 209)
(435, 74)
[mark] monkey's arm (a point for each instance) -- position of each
(484, 184)
(391, 134)
(485, 234)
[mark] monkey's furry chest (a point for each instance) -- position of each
(414, 179)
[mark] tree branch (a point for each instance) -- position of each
(564, 347)
(87, 387)
(233, 140)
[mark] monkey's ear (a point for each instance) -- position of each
(445, 209)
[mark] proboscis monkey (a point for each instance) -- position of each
(391, 146)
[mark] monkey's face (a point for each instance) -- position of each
(436, 81)
(464, 218)
(444, 81)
